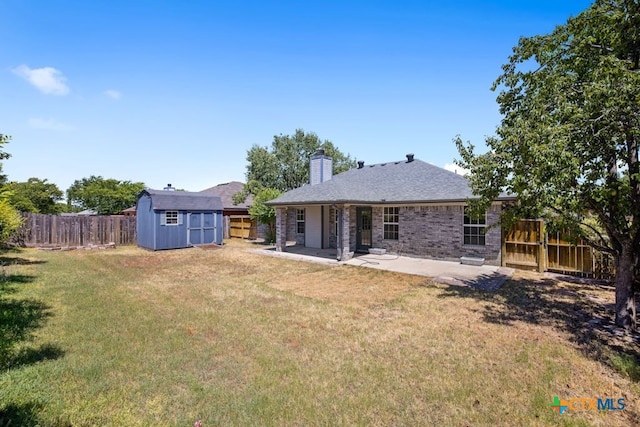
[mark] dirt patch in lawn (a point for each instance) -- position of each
(350, 286)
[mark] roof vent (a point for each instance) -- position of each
(319, 152)
(360, 164)
(410, 158)
(169, 188)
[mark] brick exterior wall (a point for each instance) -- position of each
(292, 227)
(423, 231)
(350, 222)
(437, 232)
(333, 239)
(349, 228)
(349, 236)
(281, 224)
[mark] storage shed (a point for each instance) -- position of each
(178, 219)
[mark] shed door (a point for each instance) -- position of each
(201, 228)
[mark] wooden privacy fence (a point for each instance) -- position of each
(523, 246)
(564, 256)
(527, 245)
(77, 230)
(241, 226)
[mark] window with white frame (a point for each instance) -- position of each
(390, 222)
(474, 228)
(300, 221)
(171, 218)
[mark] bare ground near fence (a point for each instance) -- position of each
(41, 230)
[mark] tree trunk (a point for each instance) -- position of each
(625, 295)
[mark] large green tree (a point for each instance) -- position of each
(35, 195)
(105, 196)
(567, 145)
(285, 165)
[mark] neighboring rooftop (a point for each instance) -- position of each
(404, 181)
(226, 191)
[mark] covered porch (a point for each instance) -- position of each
(343, 228)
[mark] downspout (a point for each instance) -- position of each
(322, 227)
(340, 233)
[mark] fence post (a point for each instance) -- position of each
(226, 225)
(542, 247)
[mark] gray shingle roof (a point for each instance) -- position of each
(226, 192)
(183, 200)
(393, 182)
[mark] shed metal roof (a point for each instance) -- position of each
(384, 183)
(182, 200)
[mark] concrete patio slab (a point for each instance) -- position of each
(485, 277)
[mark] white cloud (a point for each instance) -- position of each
(457, 169)
(49, 124)
(113, 94)
(47, 80)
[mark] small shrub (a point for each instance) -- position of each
(10, 221)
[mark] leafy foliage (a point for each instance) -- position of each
(10, 218)
(567, 145)
(105, 196)
(35, 195)
(265, 214)
(10, 221)
(4, 139)
(285, 165)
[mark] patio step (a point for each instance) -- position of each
(377, 251)
(467, 260)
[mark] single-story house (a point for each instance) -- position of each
(131, 211)
(226, 192)
(169, 219)
(409, 207)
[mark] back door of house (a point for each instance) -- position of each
(363, 230)
(201, 228)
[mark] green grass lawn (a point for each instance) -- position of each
(127, 337)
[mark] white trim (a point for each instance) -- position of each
(164, 217)
(477, 226)
(385, 213)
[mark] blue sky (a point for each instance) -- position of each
(178, 91)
